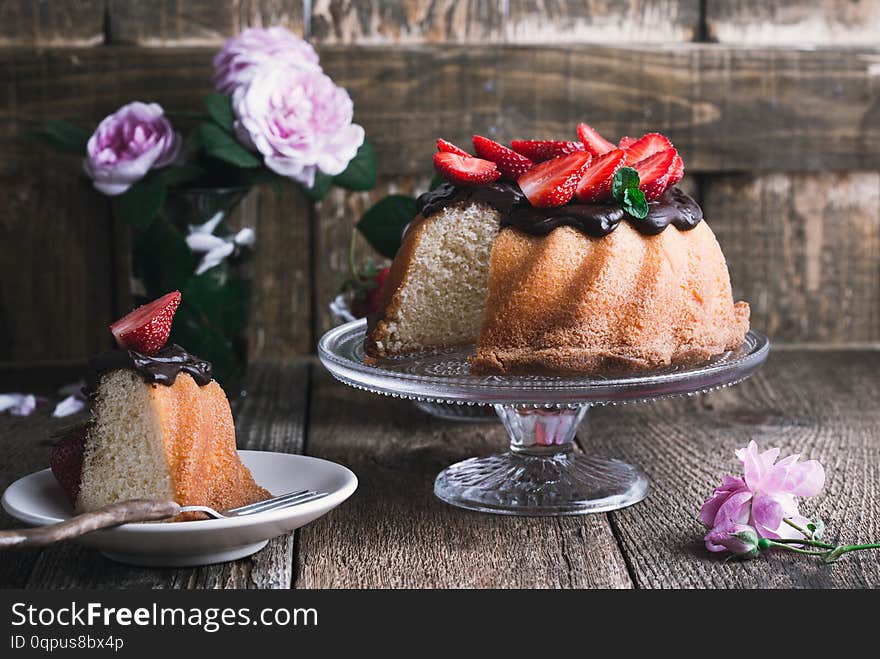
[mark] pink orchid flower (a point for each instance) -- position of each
(763, 497)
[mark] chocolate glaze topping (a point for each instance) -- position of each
(597, 219)
(161, 368)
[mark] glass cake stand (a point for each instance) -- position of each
(541, 474)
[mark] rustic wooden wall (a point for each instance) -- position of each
(775, 106)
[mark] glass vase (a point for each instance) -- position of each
(212, 319)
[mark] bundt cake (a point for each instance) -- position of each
(160, 427)
(560, 257)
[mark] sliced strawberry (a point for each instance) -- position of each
(66, 458)
(625, 142)
(677, 172)
(595, 143)
(646, 145)
(541, 150)
(510, 163)
(552, 183)
(449, 147)
(146, 329)
(465, 170)
(595, 184)
(654, 172)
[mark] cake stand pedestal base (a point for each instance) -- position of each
(541, 474)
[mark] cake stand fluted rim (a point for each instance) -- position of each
(441, 377)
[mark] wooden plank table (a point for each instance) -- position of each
(394, 533)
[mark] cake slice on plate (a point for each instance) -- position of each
(160, 427)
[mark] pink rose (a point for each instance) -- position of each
(128, 144)
(739, 539)
(300, 121)
(765, 496)
(238, 59)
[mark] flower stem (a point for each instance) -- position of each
(803, 541)
(797, 528)
(351, 262)
(808, 552)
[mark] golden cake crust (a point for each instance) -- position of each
(570, 303)
(199, 437)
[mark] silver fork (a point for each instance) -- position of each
(281, 501)
(140, 510)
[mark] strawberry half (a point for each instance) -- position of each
(677, 172)
(465, 170)
(541, 150)
(449, 147)
(595, 143)
(552, 183)
(646, 145)
(595, 184)
(146, 329)
(626, 141)
(510, 163)
(654, 173)
(65, 460)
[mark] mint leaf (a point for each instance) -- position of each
(220, 108)
(624, 179)
(436, 181)
(221, 145)
(63, 136)
(384, 223)
(634, 203)
(140, 204)
(361, 171)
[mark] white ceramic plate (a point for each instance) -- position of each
(38, 500)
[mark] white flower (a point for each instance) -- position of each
(201, 239)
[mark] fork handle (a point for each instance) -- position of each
(137, 510)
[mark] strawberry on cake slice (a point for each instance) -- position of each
(160, 427)
(559, 256)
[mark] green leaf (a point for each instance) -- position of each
(634, 203)
(384, 223)
(161, 258)
(223, 146)
(361, 171)
(436, 181)
(624, 179)
(220, 108)
(222, 300)
(320, 188)
(141, 203)
(64, 136)
(181, 174)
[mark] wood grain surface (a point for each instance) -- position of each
(406, 21)
(271, 417)
(726, 109)
(196, 22)
(793, 22)
(804, 250)
(50, 23)
(819, 404)
(393, 533)
(601, 21)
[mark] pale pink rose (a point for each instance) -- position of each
(238, 59)
(128, 144)
(300, 121)
(766, 494)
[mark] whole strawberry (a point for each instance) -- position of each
(369, 297)
(65, 460)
